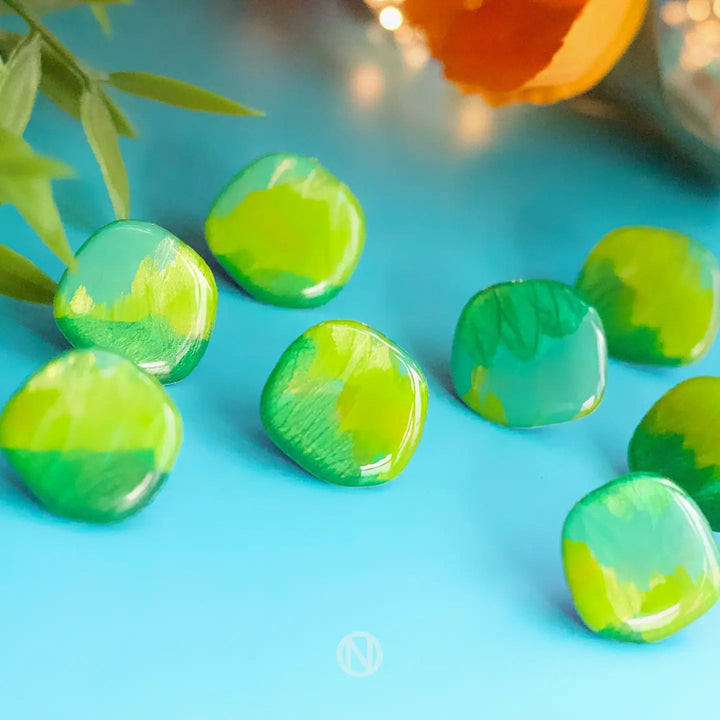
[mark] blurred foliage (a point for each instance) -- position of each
(39, 61)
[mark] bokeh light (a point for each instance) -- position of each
(367, 85)
(390, 18)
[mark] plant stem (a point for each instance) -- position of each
(49, 37)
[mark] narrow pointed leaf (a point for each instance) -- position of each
(18, 166)
(8, 41)
(19, 160)
(29, 189)
(122, 124)
(177, 92)
(23, 280)
(41, 7)
(103, 139)
(60, 84)
(101, 15)
(19, 85)
(31, 17)
(34, 200)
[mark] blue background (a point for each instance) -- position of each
(228, 596)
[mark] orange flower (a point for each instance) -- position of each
(537, 51)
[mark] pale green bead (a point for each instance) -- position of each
(529, 353)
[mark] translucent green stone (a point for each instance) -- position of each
(139, 291)
(346, 404)
(640, 559)
(680, 439)
(529, 353)
(657, 294)
(287, 231)
(92, 436)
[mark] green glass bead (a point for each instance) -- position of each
(657, 294)
(680, 439)
(640, 559)
(346, 404)
(287, 231)
(139, 291)
(529, 353)
(92, 436)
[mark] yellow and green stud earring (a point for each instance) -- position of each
(139, 291)
(346, 404)
(287, 231)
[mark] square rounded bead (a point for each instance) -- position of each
(640, 559)
(346, 404)
(529, 353)
(680, 439)
(91, 435)
(657, 292)
(139, 291)
(288, 231)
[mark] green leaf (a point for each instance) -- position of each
(34, 200)
(36, 167)
(31, 193)
(19, 85)
(176, 92)
(58, 82)
(122, 124)
(61, 85)
(19, 160)
(30, 16)
(103, 138)
(8, 40)
(101, 15)
(23, 280)
(45, 6)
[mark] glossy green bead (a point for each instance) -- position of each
(529, 353)
(657, 292)
(346, 404)
(92, 436)
(640, 559)
(139, 291)
(287, 231)
(680, 438)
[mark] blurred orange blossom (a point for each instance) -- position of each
(537, 51)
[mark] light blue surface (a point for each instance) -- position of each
(227, 597)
